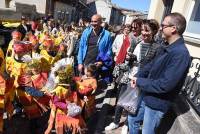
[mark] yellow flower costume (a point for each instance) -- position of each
(64, 102)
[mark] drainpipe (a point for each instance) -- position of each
(168, 7)
(49, 7)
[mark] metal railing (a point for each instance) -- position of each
(191, 87)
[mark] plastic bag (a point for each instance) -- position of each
(129, 99)
(73, 109)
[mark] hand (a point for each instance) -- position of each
(48, 94)
(43, 89)
(127, 57)
(62, 48)
(80, 67)
(85, 99)
(133, 82)
(99, 63)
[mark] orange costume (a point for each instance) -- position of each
(86, 87)
(16, 68)
(2, 92)
(33, 100)
(65, 107)
(33, 106)
(63, 121)
(50, 58)
(2, 100)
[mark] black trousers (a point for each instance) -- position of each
(119, 109)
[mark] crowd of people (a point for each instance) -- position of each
(52, 71)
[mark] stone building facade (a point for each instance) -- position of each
(110, 12)
(70, 10)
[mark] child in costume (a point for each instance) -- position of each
(65, 110)
(86, 86)
(2, 61)
(33, 100)
(49, 53)
(15, 67)
(2, 89)
(2, 99)
(16, 37)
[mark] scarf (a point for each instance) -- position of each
(123, 50)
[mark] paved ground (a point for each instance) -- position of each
(20, 125)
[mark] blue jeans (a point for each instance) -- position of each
(151, 119)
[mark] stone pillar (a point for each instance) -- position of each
(156, 10)
(2, 3)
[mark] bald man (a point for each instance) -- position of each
(95, 48)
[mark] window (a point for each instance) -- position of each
(193, 29)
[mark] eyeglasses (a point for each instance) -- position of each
(163, 26)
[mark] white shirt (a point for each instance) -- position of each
(116, 46)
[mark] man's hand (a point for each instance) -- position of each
(133, 82)
(80, 68)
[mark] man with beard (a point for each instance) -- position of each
(95, 48)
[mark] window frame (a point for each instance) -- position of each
(189, 34)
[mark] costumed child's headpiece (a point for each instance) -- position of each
(22, 47)
(62, 72)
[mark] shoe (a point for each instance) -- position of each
(111, 126)
(124, 129)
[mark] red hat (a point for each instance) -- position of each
(21, 47)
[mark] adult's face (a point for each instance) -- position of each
(136, 29)
(35, 71)
(126, 31)
(96, 22)
(167, 29)
(147, 34)
(24, 21)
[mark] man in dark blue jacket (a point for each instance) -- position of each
(161, 80)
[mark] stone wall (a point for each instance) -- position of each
(9, 15)
(40, 5)
(182, 119)
(63, 12)
(15, 13)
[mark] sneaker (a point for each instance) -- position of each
(124, 129)
(111, 126)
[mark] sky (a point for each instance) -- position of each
(139, 5)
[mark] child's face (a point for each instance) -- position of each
(87, 73)
(35, 71)
(15, 38)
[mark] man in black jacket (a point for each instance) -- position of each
(23, 28)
